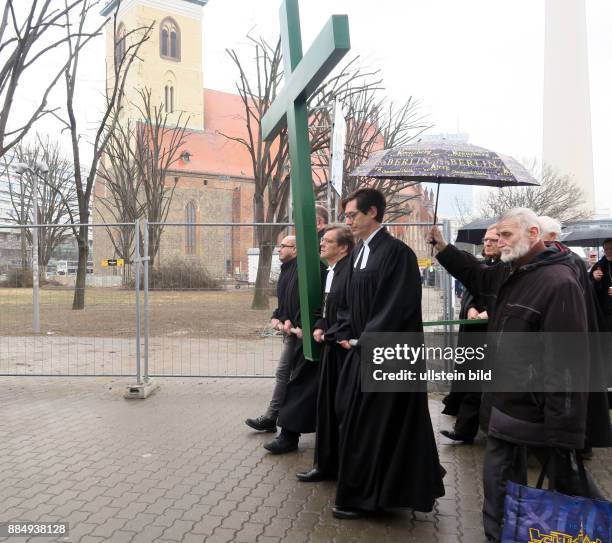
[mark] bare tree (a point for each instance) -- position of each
(372, 123)
(158, 147)
(269, 158)
(557, 196)
(26, 41)
(85, 175)
(56, 196)
(118, 170)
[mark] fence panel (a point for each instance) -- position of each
(204, 314)
(97, 340)
(202, 310)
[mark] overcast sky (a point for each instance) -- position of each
(475, 65)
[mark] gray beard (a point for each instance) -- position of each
(520, 249)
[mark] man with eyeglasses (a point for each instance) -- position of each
(286, 291)
(387, 450)
(465, 405)
(337, 243)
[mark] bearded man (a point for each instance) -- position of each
(536, 291)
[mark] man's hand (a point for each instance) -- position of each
(345, 344)
(298, 332)
(318, 335)
(598, 274)
(472, 313)
(287, 326)
(435, 238)
(483, 315)
(275, 324)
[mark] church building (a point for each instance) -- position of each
(213, 177)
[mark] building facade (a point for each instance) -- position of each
(213, 179)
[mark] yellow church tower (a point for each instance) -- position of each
(171, 65)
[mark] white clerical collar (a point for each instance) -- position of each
(364, 253)
(371, 236)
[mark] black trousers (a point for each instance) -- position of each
(468, 417)
(503, 462)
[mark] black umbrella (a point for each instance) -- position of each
(587, 233)
(442, 161)
(474, 231)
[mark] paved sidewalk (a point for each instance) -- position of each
(182, 466)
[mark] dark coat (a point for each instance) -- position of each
(469, 335)
(543, 295)
(599, 431)
(298, 412)
(601, 287)
(287, 293)
(387, 454)
(332, 361)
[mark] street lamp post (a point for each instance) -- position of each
(40, 168)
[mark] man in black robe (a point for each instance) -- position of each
(337, 243)
(387, 451)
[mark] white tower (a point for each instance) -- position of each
(567, 144)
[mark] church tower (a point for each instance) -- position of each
(171, 65)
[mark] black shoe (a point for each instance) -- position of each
(262, 424)
(312, 476)
(281, 445)
(586, 453)
(347, 513)
(451, 434)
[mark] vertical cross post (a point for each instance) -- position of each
(303, 74)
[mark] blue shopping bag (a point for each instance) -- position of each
(533, 515)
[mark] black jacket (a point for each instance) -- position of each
(541, 296)
(287, 293)
(601, 287)
(335, 298)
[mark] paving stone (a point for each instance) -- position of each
(178, 530)
(221, 535)
(207, 478)
(249, 532)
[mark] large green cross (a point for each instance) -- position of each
(302, 77)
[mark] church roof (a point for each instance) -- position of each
(211, 152)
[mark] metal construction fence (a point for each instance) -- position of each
(172, 299)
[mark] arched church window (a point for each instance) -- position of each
(170, 40)
(164, 42)
(190, 217)
(169, 98)
(173, 45)
(120, 44)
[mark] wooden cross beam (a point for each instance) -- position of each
(302, 77)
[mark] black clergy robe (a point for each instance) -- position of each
(387, 450)
(298, 412)
(332, 359)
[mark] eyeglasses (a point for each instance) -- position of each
(325, 240)
(490, 240)
(352, 214)
(283, 246)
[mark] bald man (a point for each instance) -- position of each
(281, 321)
